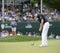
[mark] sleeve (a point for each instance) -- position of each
(41, 16)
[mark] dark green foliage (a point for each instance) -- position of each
(52, 3)
(55, 4)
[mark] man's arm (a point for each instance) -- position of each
(41, 25)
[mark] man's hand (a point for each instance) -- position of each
(40, 29)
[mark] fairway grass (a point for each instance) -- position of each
(27, 47)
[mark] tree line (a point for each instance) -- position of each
(55, 4)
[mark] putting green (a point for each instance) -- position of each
(26, 47)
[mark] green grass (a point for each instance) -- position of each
(19, 38)
(26, 47)
(23, 44)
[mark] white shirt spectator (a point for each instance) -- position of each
(57, 37)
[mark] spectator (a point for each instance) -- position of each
(29, 34)
(51, 35)
(3, 34)
(6, 33)
(57, 36)
(13, 25)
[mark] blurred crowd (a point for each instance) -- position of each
(6, 33)
(26, 13)
(52, 35)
